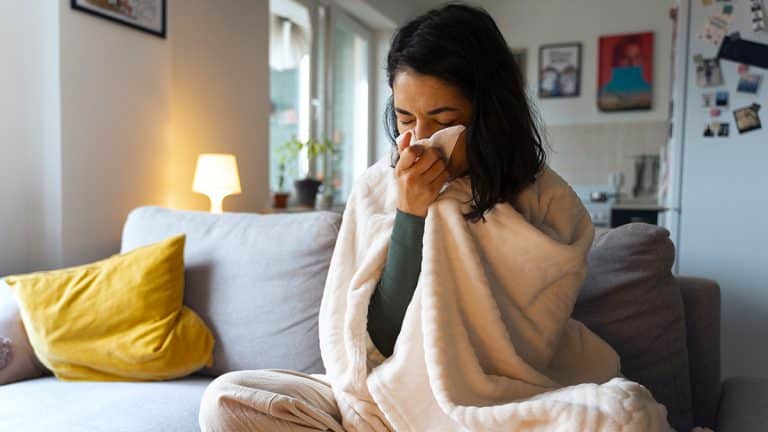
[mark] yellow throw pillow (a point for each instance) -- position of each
(119, 319)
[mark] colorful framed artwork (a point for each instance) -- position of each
(625, 72)
(560, 70)
(145, 15)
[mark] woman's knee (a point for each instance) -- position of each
(215, 413)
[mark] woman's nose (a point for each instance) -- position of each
(423, 130)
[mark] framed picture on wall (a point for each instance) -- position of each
(625, 72)
(145, 15)
(521, 58)
(560, 70)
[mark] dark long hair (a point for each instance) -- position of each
(462, 46)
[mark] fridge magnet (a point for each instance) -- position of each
(736, 49)
(560, 70)
(749, 83)
(707, 100)
(743, 68)
(710, 129)
(714, 112)
(724, 130)
(716, 28)
(715, 129)
(708, 73)
(721, 99)
(625, 72)
(747, 118)
(757, 15)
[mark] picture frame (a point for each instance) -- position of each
(560, 70)
(625, 72)
(149, 16)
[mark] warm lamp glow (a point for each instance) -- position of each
(216, 175)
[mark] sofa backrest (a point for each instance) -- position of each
(256, 280)
(632, 300)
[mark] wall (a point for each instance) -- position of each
(115, 111)
(135, 118)
(98, 118)
(219, 97)
(578, 151)
(532, 23)
(587, 153)
(14, 122)
(28, 137)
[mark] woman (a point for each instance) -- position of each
(448, 67)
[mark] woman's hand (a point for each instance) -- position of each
(421, 173)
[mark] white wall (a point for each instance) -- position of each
(532, 23)
(115, 111)
(137, 109)
(98, 118)
(585, 155)
(15, 119)
(219, 97)
(28, 137)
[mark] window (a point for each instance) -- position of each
(289, 74)
(351, 102)
(325, 98)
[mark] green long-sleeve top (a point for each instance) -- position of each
(394, 291)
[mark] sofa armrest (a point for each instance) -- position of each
(701, 299)
(744, 405)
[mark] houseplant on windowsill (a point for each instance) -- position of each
(307, 187)
(280, 197)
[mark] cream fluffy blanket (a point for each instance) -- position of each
(487, 343)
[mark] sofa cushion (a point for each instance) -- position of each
(256, 280)
(631, 299)
(47, 404)
(118, 319)
(744, 405)
(17, 359)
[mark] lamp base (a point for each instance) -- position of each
(217, 203)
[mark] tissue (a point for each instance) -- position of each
(444, 139)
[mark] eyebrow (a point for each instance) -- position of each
(435, 111)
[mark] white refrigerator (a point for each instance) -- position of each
(718, 192)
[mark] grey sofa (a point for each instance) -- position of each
(257, 280)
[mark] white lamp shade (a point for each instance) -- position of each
(216, 175)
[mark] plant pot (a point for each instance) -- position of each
(280, 200)
(306, 191)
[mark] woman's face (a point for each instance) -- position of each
(426, 104)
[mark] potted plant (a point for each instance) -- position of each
(280, 197)
(306, 188)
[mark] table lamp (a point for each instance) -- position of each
(216, 175)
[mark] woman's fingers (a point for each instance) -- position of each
(430, 156)
(434, 171)
(407, 157)
(405, 142)
(441, 178)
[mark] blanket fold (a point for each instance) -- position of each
(487, 343)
